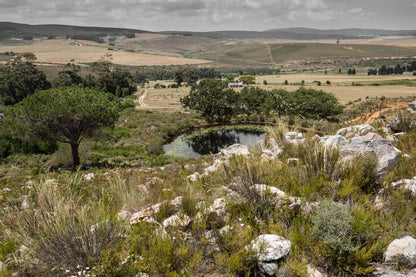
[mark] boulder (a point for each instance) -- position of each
(409, 184)
(219, 207)
(269, 247)
(269, 269)
(412, 105)
(402, 252)
(89, 176)
(314, 272)
(176, 220)
(294, 138)
(333, 141)
(401, 124)
(356, 130)
(235, 149)
(372, 143)
(260, 188)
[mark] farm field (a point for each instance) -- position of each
(63, 51)
(341, 86)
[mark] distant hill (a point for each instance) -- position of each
(16, 30)
(299, 34)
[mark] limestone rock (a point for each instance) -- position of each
(356, 130)
(333, 141)
(219, 207)
(89, 176)
(402, 251)
(261, 188)
(294, 138)
(235, 149)
(268, 269)
(270, 247)
(409, 184)
(401, 124)
(372, 143)
(412, 105)
(177, 220)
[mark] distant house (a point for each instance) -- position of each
(236, 85)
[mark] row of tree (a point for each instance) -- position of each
(20, 78)
(218, 103)
(398, 69)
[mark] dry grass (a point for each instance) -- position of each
(166, 98)
(62, 51)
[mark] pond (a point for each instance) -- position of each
(212, 140)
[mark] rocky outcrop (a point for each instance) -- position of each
(333, 141)
(264, 189)
(182, 221)
(268, 250)
(409, 184)
(402, 252)
(401, 124)
(372, 143)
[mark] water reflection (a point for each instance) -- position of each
(210, 143)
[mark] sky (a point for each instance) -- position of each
(214, 15)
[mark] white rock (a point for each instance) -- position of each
(294, 138)
(409, 184)
(269, 269)
(219, 206)
(194, 177)
(176, 220)
(89, 176)
(313, 272)
(270, 247)
(356, 130)
(402, 251)
(261, 188)
(334, 141)
(235, 149)
(51, 182)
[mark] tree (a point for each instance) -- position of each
(19, 79)
(247, 79)
(117, 81)
(66, 114)
(68, 76)
(213, 99)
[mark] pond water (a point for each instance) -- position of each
(194, 145)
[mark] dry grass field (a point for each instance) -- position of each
(63, 51)
(341, 86)
(162, 98)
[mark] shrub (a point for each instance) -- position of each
(333, 223)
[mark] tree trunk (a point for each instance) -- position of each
(75, 154)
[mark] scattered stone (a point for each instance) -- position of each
(356, 130)
(406, 156)
(25, 205)
(6, 190)
(401, 123)
(219, 207)
(402, 252)
(387, 271)
(294, 138)
(194, 177)
(261, 188)
(314, 272)
(176, 220)
(89, 176)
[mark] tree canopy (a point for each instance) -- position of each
(19, 79)
(66, 114)
(247, 79)
(218, 103)
(213, 99)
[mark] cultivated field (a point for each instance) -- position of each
(341, 86)
(63, 51)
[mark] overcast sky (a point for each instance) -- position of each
(207, 15)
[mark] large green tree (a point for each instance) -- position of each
(213, 99)
(68, 76)
(66, 114)
(19, 79)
